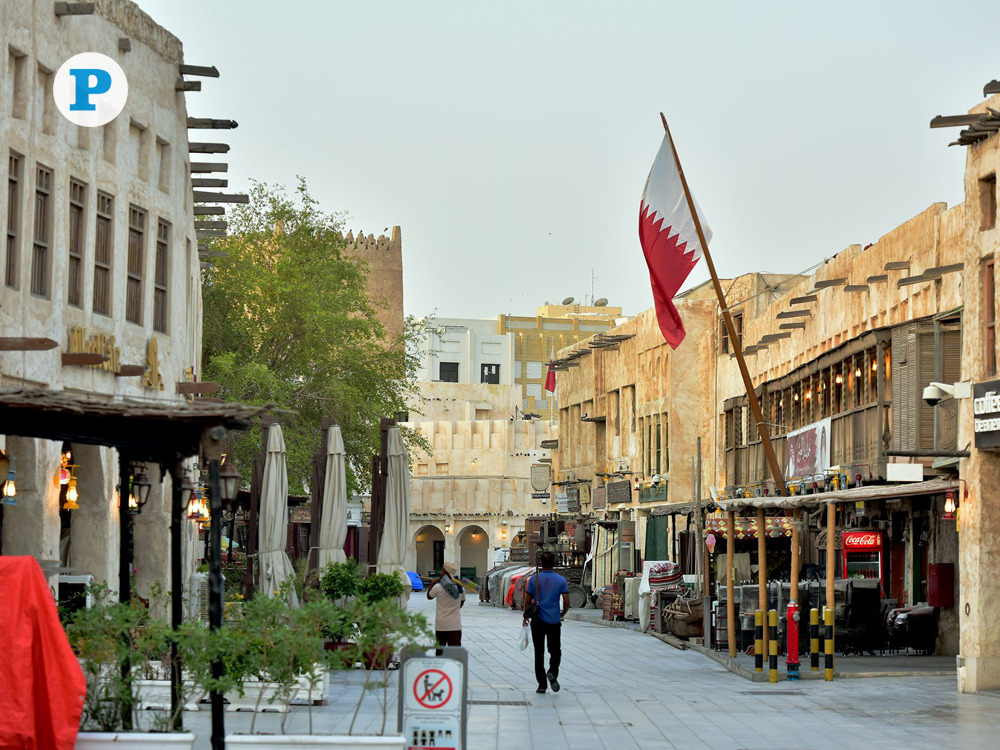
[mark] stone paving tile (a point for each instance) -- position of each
(624, 689)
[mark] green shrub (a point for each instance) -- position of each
(340, 580)
(379, 586)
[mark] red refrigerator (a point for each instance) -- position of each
(862, 555)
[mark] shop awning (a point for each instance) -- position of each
(675, 509)
(874, 492)
(746, 528)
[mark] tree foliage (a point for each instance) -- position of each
(287, 321)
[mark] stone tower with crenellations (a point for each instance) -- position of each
(384, 256)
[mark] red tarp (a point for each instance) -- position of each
(41, 684)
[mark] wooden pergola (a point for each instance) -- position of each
(148, 431)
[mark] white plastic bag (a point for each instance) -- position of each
(522, 641)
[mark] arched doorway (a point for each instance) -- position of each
(428, 546)
(473, 552)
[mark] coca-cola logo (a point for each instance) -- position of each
(862, 539)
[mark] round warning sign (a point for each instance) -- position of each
(432, 688)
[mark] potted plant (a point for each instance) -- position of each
(116, 643)
(374, 624)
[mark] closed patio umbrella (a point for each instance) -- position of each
(275, 566)
(395, 532)
(333, 526)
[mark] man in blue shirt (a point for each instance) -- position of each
(553, 602)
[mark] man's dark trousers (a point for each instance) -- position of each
(540, 632)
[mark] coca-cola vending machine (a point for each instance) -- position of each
(862, 555)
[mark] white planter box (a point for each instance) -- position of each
(320, 690)
(251, 692)
(134, 740)
(155, 695)
(335, 742)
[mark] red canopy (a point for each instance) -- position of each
(40, 679)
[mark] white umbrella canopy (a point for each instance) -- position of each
(392, 548)
(333, 526)
(275, 566)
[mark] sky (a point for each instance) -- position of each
(511, 141)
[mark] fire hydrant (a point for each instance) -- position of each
(792, 653)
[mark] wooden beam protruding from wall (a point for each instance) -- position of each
(200, 196)
(209, 123)
(75, 9)
(952, 121)
(203, 386)
(83, 358)
(183, 85)
(207, 148)
(205, 71)
(211, 224)
(803, 299)
(26, 344)
(130, 371)
(209, 210)
(209, 166)
(208, 182)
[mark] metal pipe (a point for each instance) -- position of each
(215, 597)
(176, 594)
(730, 584)
(772, 645)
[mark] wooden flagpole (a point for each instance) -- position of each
(734, 341)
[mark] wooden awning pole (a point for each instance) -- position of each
(734, 340)
(762, 570)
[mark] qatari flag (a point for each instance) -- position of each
(669, 239)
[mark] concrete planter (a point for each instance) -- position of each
(320, 691)
(134, 740)
(155, 695)
(333, 742)
(251, 693)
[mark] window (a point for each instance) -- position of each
(988, 202)
(160, 276)
(163, 164)
(102, 253)
(18, 70)
(489, 374)
(989, 318)
(448, 372)
(43, 232)
(534, 371)
(133, 285)
(724, 347)
(13, 216)
(77, 192)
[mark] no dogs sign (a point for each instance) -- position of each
(432, 703)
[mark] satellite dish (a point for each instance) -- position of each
(601, 302)
(568, 301)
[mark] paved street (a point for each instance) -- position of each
(623, 689)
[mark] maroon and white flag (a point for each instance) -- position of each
(550, 375)
(669, 239)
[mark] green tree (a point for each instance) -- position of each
(287, 321)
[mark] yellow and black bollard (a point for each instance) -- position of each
(828, 663)
(758, 641)
(772, 645)
(814, 640)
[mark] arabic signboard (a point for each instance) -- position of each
(600, 498)
(619, 492)
(573, 499)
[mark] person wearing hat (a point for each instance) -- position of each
(450, 599)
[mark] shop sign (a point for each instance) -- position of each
(600, 498)
(619, 492)
(540, 477)
(862, 540)
(81, 341)
(573, 499)
(653, 493)
(986, 411)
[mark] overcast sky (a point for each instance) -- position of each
(511, 140)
